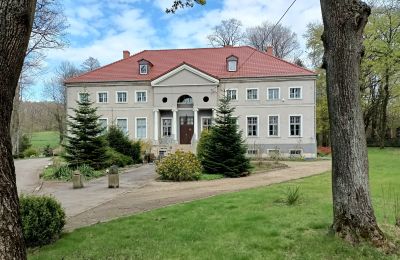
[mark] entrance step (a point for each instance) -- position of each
(183, 147)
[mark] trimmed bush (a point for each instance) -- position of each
(180, 166)
(42, 219)
(30, 152)
(120, 142)
(116, 158)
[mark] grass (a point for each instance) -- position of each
(39, 140)
(265, 166)
(250, 224)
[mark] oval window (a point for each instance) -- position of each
(164, 100)
(205, 99)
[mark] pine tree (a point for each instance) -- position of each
(224, 149)
(85, 145)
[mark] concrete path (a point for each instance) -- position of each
(96, 192)
(156, 194)
(27, 172)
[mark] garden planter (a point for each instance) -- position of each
(77, 181)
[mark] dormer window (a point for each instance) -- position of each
(231, 63)
(144, 67)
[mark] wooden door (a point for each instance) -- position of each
(186, 129)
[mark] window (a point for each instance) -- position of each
(273, 93)
(83, 97)
(273, 152)
(252, 126)
(295, 93)
(166, 127)
(231, 94)
(141, 128)
(141, 96)
(295, 153)
(143, 69)
(122, 123)
(122, 97)
(295, 126)
(252, 152)
(273, 126)
(185, 100)
(102, 97)
(252, 94)
(205, 123)
(103, 122)
(232, 65)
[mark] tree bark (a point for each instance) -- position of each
(383, 113)
(353, 215)
(15, 26)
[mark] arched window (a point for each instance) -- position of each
(185, 100)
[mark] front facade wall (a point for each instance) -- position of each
(161, 103)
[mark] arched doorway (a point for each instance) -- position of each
(186, 122)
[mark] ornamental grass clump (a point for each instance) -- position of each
(180, 166)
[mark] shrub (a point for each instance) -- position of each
(63, 172)
(42, 219)
(24, 144)
(47, 151)
(292, 195)
(120, 142)
(116, 158)
(201, 145)
(324, 150)
(180, 166)
(87, 171)
(30, 152)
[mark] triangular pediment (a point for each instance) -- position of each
(184, 75)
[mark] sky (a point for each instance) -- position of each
(103, 29)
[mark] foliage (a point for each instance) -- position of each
(120, 142)
(31, 152)
(224, 150)
(86, 171)
(292, 195)
(204, 139)
(63, 172)
(47, 151)
(257, 227)
(116, 158)
(85, 145)
(179, 166)
(24, 144)
(324, 150)
(182, 4)
(42, 219)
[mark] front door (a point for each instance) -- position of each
(186, 129)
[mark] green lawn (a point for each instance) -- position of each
(41, 139)
(252, 224)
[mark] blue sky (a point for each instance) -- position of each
(103, 29)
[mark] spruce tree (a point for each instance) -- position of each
(224, 149)
(85, 144)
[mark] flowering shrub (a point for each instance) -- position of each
(324, 150)
(180, 166)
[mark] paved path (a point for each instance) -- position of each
(27, 172)
(156, 194)
(96, 192)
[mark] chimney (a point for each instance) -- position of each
(126, 54)
(270, 50)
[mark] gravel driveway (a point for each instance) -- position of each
(27, 172)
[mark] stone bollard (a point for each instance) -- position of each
(113, 177)
(77, 181)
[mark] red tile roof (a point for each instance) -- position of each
(251, 63)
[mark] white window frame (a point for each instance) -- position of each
(269, 150)
(232, 62)
(103, 118)
(301, 126)
(258, 94)
(279, 126)
(98, 97)
(201, 120)
(252, 154)
(258, 126)
(127, 123)
(237, 93)
(147, 127)
(79, 95)
(301, 92)
(136, 96)
(279, 93)
(140, 69)
(116, 97)
(301, 152)
(162, 126)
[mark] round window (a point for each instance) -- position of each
(164, 100)
(205, 99)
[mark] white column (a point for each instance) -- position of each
(214, 113)
(156, 130)
(196, 128)
(174, 132)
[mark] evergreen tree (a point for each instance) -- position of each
(119, 141)
(224, 150)
(85, 144)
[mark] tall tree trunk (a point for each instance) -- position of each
(353, 215)
(16, 21)
(383, 112)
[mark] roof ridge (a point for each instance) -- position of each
(199, 48)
